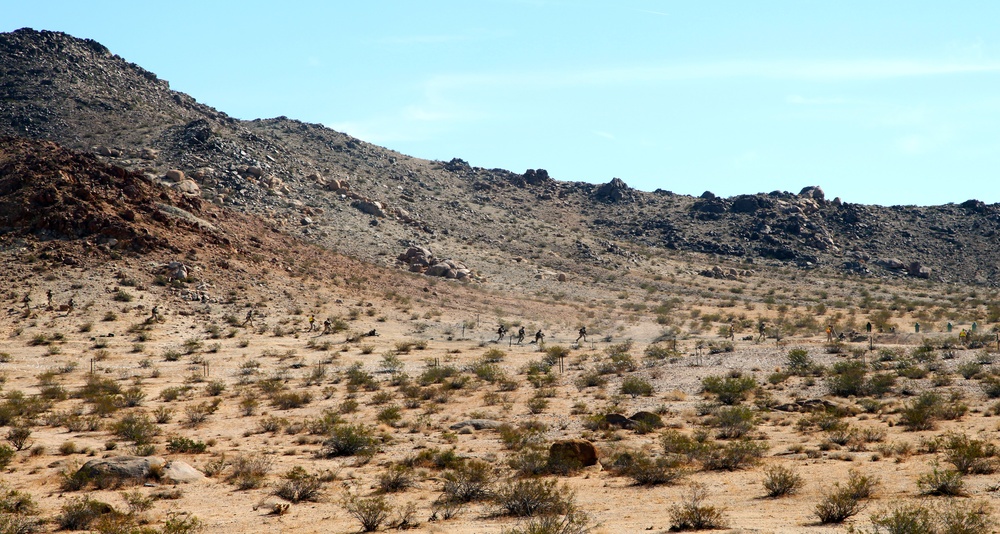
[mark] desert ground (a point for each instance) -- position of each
(298, 430)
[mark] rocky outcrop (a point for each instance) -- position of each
(614, 191)
(420, 260)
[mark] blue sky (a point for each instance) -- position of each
(885, 102)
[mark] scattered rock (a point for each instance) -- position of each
(573, 452)
(478, 424)
(649, 419)
(619, 420)
(175, 175)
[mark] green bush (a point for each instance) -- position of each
(781, 481)
(186, 445)
(941, 482)
(470, 481)
(693, 514)
(248, 471)
(837, 507)
(371, 512)
(729, 390)
(923, 412)
(734, 421)
(635, 386)
(297, 485)
(135, 427)
(350, 440)
(531, 497)
(734, 455)
(970, 456)
(79, 512)
(847, 379)
(646, 471)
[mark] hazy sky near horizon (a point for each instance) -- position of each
(886, 102)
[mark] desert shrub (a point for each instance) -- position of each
(635, 386)
(590, 379)
(969, 370)
(436, 375)
(799, 363)
(389, 415)
(647, 471)
(729, 390)
(215, 388)
(470, 481)
(734, 421)
(674, 442)
(904, 519)
(135, 427)
(837, 506)
(18, 436)
(534, 461)
(970, 456)
(13, 501)
(185, 445)
(734, 455)
(487, 371)
(552, 355)
(291, 399)
(920, 518)
(658, 352)
(693, 514)
(516, 438)
(248, 471)
(941, 482)
(861, 486)
(395, 478)
(880, 384)
(537, 405)
(573, 522)
(991, 386)
(79, 512)
(532, 496)
(297, 485)
(847, 379)
(350, 440)
(371, 512)
(923, 412)
(781, 481)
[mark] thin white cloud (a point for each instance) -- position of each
(606, 135)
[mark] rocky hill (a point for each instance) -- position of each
(374, 203)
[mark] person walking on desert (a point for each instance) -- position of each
(583, 335)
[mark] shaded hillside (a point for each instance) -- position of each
(373, 203)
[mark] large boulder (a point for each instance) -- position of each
(814, 192)
(573, 452)
(369, 207)
(118, 470)
(179, 472)
(188, 187)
